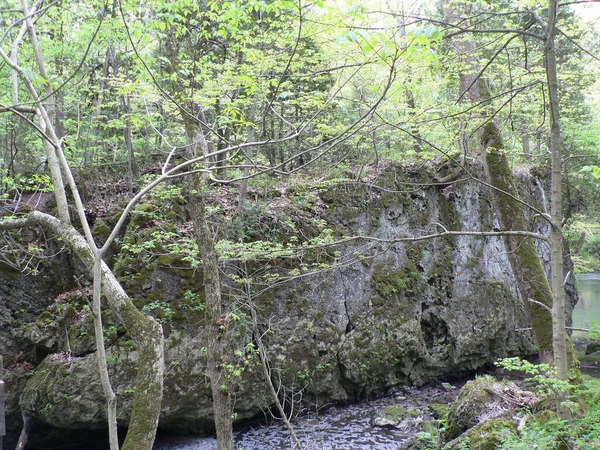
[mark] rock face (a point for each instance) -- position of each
(385, 313)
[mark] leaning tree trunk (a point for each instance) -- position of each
(522, 253)
(524, 259)
(144, 331)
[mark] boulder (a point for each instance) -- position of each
(392, 314)
(483, 407)
(393, 416)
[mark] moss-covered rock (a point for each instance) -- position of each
(44, 335)
(592, 346)
(475, 403)
(81, 339)
(486, 436)
(438, 410)
(401, 314)
(393, 416)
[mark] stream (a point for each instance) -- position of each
(334, 428)
(588, 307)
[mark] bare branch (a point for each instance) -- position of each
(546, 307)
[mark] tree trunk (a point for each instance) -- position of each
(526, 144)
(522, 254)
(556, 236)
(248, 157)
(132, 170)
(222, 405)
(24, 436)
(144, 331)
(109, 394)
(456, 12)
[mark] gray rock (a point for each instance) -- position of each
(447, 387)
(396, 417)
(408, 315)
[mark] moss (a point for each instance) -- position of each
(448, 217)
(44, 318)
(377, 301)
(475, 259)
(486, 436)
(522, 251)
(391, 282)
(414, 252)
(170, 260)
(545, 416)
(438, 410)
(395, 413)
(491, 137)
(590, 359)
(394, 200)
(348, 213)
(141, 214)
(318, 316)
(466, 408)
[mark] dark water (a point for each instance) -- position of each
(334, 428)
(587, 309)
(344, 428)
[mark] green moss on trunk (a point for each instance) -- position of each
(522, 253)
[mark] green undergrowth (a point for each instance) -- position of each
(543, 430)
(533, 427)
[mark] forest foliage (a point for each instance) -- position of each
(333, 85)
(265, 97)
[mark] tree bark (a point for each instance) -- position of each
(132, 170)
(522, 254)
(197, 143)
(109, 394)
(146, 332)
(526, 143)
(560, 341)
(248, 157)
(456, 13)
(24, 436)
(222, 405)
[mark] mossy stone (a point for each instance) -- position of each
(471, 401)
(438, 410)
(392, 415)
(487, 436)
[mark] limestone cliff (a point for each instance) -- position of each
(379, 314)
